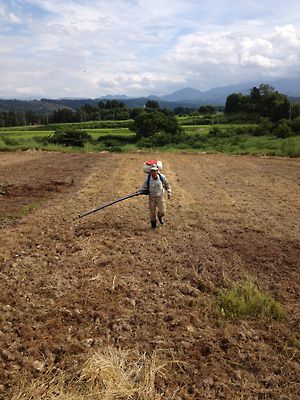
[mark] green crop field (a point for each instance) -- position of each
(204, 129)
(96, 133)
(116, 136)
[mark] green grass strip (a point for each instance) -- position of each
(248, 301)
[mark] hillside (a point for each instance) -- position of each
(186, 97)
(45, 106)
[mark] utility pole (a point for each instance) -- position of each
(290, 113)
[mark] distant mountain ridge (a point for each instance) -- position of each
(290, 87)
(185, 97)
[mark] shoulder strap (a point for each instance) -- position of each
(149, 176)
(161, 178)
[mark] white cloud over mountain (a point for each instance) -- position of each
(71, 48)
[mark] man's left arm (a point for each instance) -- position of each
(167, 186)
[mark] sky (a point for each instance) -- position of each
(92, 48)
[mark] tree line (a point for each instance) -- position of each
(262, 102)
(155, 126)
(104, 110)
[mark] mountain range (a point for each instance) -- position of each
(186, 97)
(290, 87)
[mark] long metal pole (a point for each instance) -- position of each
(110, 203)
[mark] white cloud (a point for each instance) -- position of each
(13, 18)
(7, 17)
(139, 47)
(275, 52)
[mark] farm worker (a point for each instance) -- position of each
(154, 185)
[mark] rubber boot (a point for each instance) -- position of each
(153, 224)
(161, 219)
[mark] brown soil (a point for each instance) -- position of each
(69, 286)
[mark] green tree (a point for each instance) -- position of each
(206, 110)
(266, 90)
(2, 119)
(69, 137)
(261, 102)
(106, 110)
(110, 104)
(183, 110)
(281, 108)
(234, 103)
(147, 123)
(295, 109)
(63, 115)
(30, 117)
(152, 104)
(133, 112)
(255, 94)
(13, 119)
(295, 125)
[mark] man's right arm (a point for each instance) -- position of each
(144, 189)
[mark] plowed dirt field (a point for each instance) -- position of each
(69, 286)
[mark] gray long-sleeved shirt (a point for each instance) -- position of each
(156, 186)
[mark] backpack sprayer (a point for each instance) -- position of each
(147, 167)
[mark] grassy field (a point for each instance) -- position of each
(116, 136)
(204, 129)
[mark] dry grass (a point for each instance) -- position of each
(109, 374)
(49, 387)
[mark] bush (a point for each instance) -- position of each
(295, 125)
(248, 301)
(242, 117)
(114, 149)
(282, 129)
(116, 140)
(239, 131)
(215, 132)
(69, 137)
(145, 142)
(198, 120)
(159, 139)
(290, 148)
(196, 140)
(9, 141)
(207, 120)
(264, 128)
